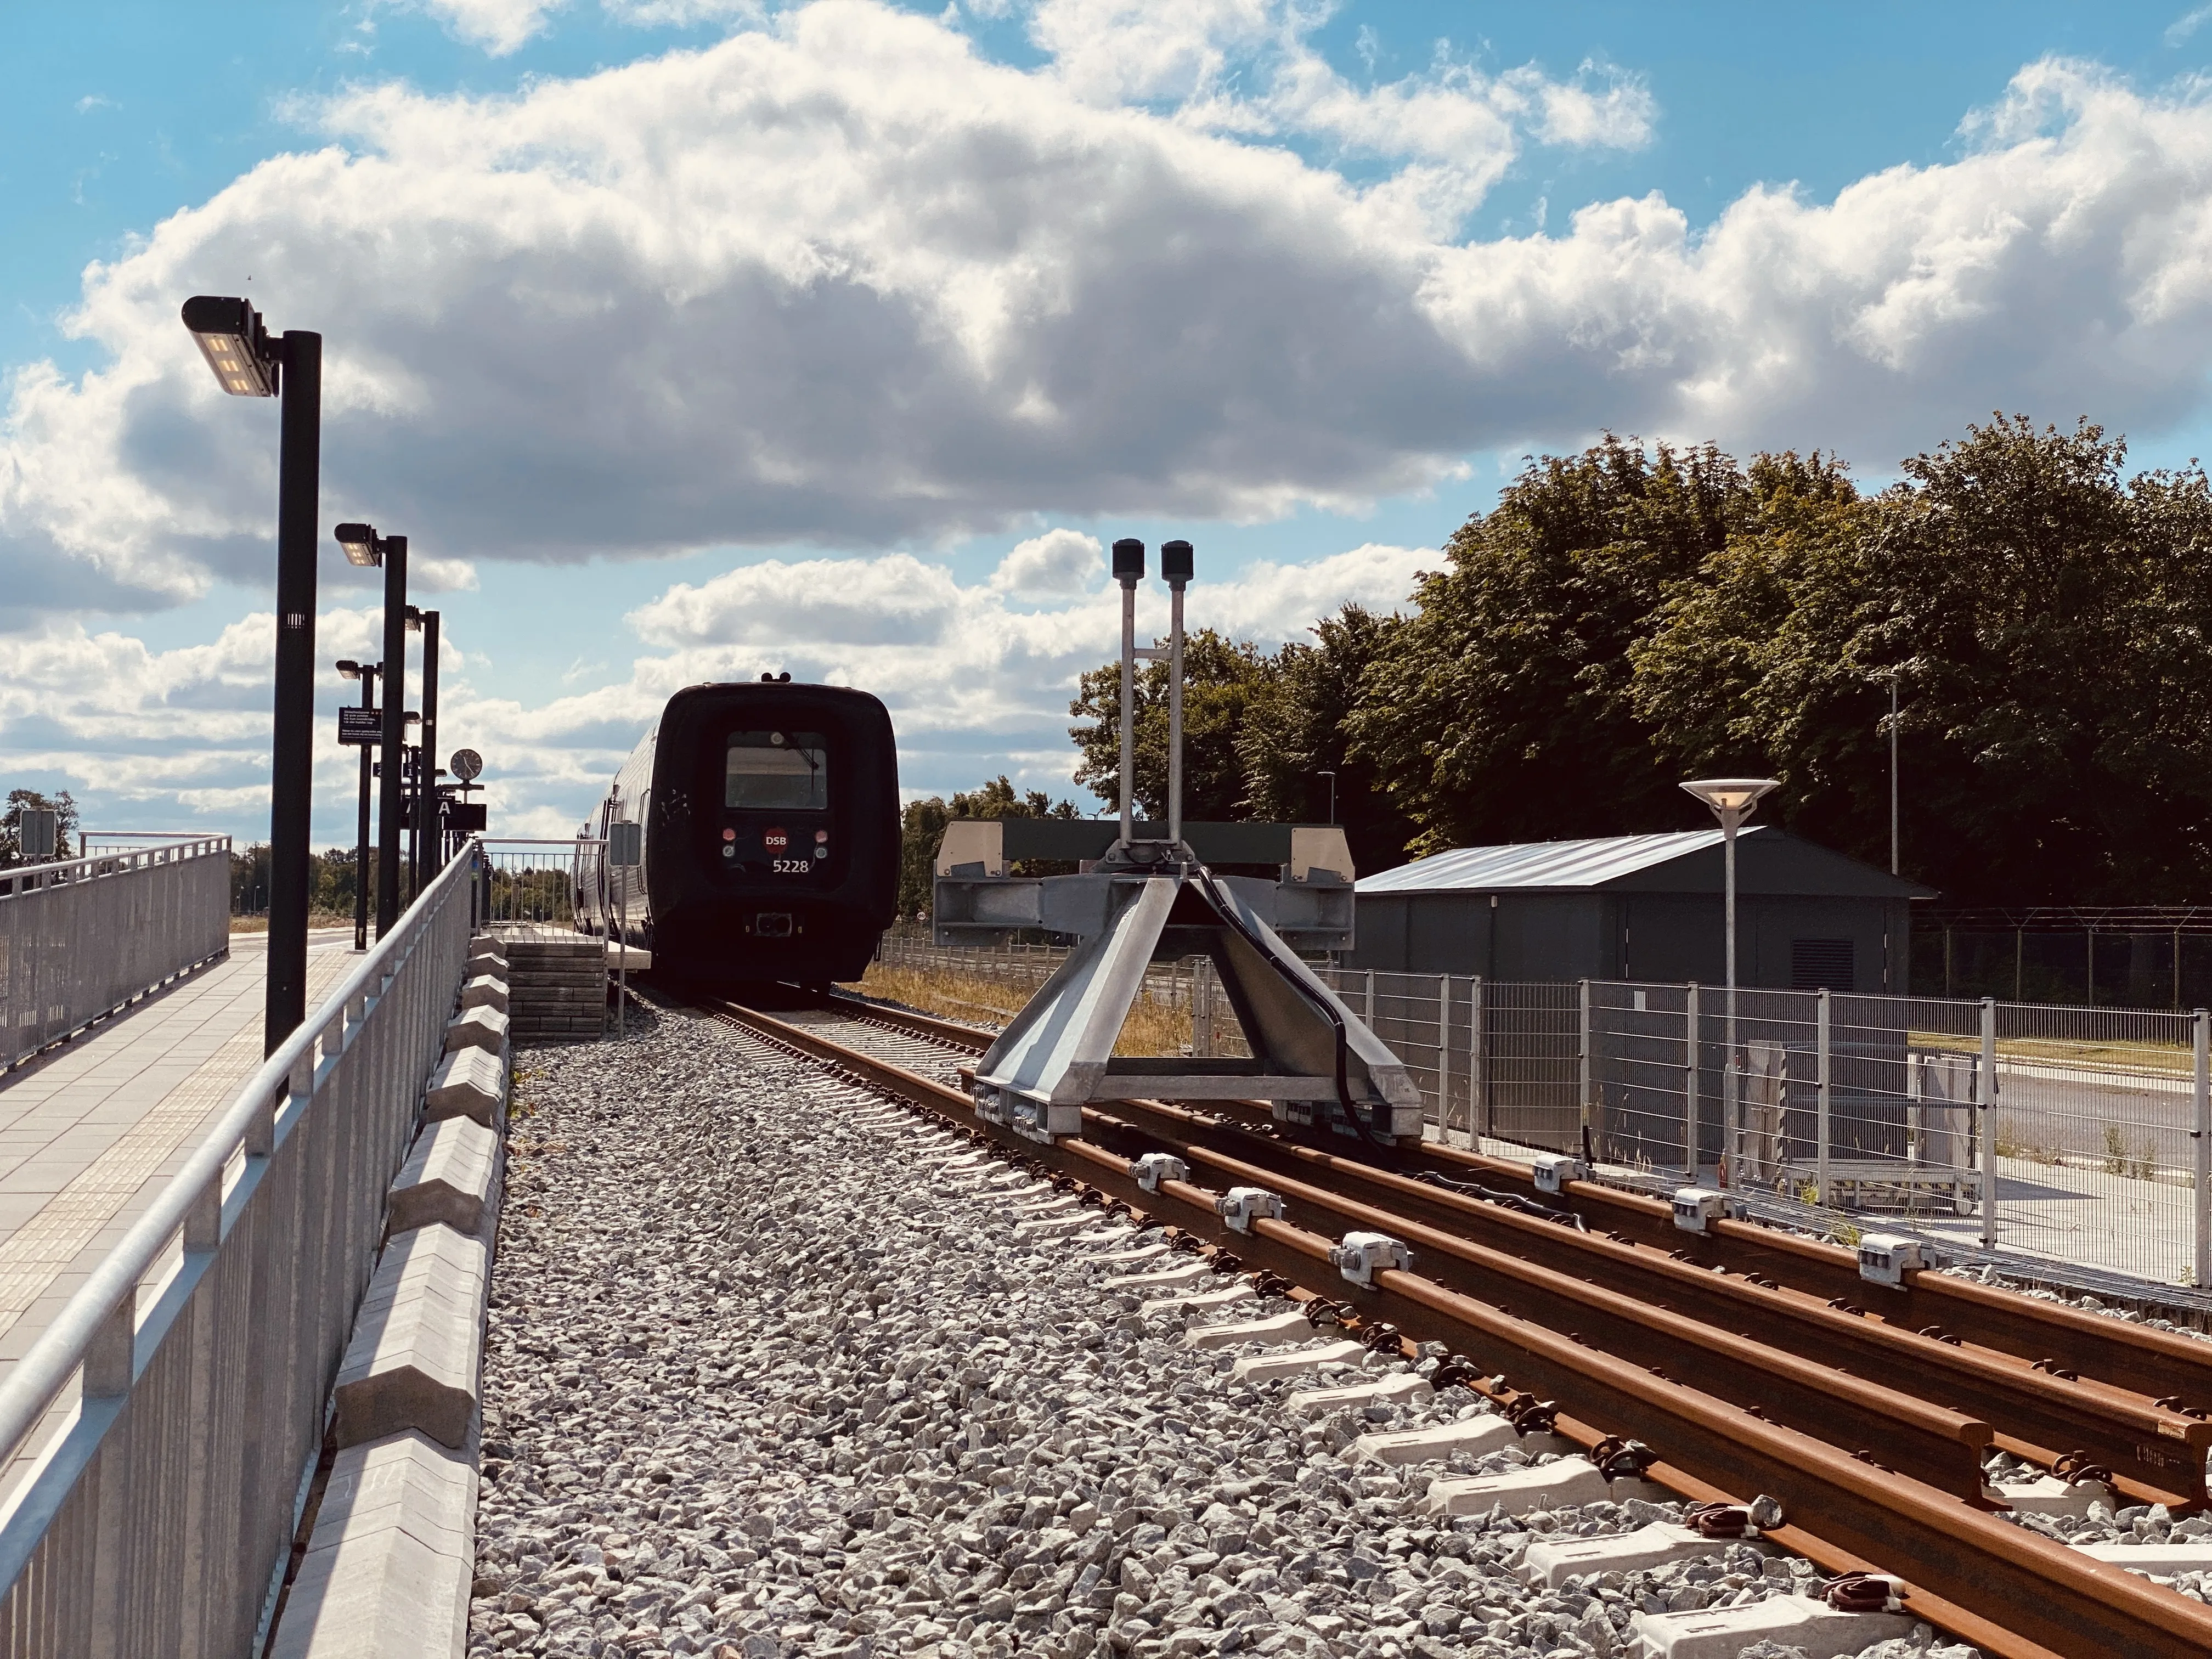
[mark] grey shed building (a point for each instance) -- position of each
(1642, 907)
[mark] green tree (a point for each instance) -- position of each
(2048, 626)
(11, 823)
(922, 827)
(1220, 679)
(1295, 729)
(1499, 711)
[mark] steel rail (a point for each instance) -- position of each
(2008, 1590)
(2169, 1376)
(2156, 1454)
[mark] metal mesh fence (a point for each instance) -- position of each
(2070, 1133)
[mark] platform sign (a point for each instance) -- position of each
(625, 845)
(364, 728)
(466, 817)
(37, 830)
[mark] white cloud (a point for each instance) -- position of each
(976, 686)
(844, 282)
(500, 27)
(1050, 566)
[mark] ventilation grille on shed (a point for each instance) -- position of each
(1821, 965)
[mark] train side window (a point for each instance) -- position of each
(777, 771)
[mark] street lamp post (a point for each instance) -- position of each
(366, 672)
(365, 547)
(248, 363)
(1732, 800)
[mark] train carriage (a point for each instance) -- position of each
(770, 829)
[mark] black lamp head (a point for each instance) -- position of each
(1175, 562)
(1128, 562)
(229, 335)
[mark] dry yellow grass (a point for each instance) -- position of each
(1152, 1028)
(2138, 1056)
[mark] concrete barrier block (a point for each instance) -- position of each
(1195, 1301)
(1173, 1279)
(419, 1341)
(484, 991)
(389, 1565)
(1401, 1388)
(468, 1083)
(1294, 1362)
(1521, 1491)
(1282, 1330)
(448, 1177)
(1813, 1628)
(1475, 1435)
(1551, 1561)
(478, 1028)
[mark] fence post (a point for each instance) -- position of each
(1201, 1008)
(1820, 1153)
(1583, 1050)
(1370, 1014)
(1443, 1055)
(1985, 1097)
(1478, 1075)
(2200, 1138)
(1690, 1024)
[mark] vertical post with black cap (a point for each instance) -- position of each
(1129, 570)
(1175, 570)
(248, 363)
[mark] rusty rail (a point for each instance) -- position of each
(2049, 1378)
(2010, 1591)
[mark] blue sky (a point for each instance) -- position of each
(837, 454)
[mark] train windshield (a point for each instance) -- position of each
(779, 771)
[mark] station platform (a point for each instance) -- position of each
(91, 1131)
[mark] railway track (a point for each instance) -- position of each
(1689, 1350)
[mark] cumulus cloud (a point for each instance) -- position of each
(1056, 563)
(977, 683)
(842, 280)
(500, 27)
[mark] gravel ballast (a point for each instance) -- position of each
(771, 1373)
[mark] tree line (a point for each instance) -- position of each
(1635, 615)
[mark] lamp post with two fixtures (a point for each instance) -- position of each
(364, 547)
(1732, 801)
(249, 363)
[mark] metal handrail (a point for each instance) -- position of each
(30, 878)
(109, 1294)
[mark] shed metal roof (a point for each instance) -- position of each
(1778, 862)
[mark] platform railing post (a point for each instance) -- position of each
(1690, 1083)
(1986, 1098)
(1478, 1072)
(2200, 1137)
(1443, 1055)
(1582, 1052)
(1820, 1151)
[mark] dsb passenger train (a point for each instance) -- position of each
(771, 836)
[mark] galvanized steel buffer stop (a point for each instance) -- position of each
(1150, 899)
